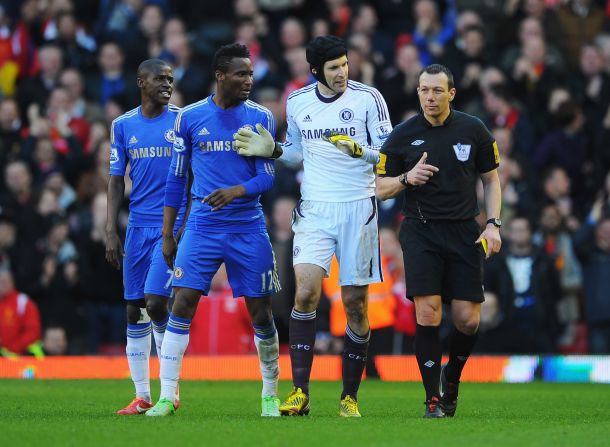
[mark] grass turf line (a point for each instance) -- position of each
(227, 414)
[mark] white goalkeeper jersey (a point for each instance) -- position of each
(330, 175)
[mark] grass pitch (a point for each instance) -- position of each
(80, 413)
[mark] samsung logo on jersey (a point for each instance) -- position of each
(216, 146)
(316, 134)
(150, 152)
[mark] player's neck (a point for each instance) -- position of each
(326, 91)
(438, 120)
(225, 103)
(152, 110)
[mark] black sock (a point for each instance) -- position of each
(302, 336)
(460, 347)
(355, 349)
(428, 353)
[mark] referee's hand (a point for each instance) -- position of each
(492, 235)
(421, 172)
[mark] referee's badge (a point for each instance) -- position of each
(462, 151)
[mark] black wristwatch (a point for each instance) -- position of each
(402, 178)
(497, 222)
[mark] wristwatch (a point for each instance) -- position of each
(494, 220)
(402, 178)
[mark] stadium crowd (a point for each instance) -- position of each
(537, 72)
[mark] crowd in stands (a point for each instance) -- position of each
(537, 72)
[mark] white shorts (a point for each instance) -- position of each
(347, 229)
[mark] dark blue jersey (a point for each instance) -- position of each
(146, 145)
(204, 141)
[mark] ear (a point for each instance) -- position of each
(140, 82)
(219, 75)
(314, 71)
(451, 94)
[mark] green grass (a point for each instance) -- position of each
(80, 413)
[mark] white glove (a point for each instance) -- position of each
(252, 144)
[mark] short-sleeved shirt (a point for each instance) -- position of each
(146, 145)
(461, 148)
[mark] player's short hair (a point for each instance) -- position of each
(225, 54)
(148, 65)
(436, 69)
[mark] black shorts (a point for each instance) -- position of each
(441, 258)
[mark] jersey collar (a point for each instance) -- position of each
(328, 100)
(447, 121)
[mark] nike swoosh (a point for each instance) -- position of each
(141, 409)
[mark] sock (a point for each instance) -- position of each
(138, 353)
(460, 348)
(302, 336)
(172, 350)
(428, 353)
(355, 348)
(158, 332)
(268, 348)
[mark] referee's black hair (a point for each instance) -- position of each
(225, 54)
(436, 69)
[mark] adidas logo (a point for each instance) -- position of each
(133, 140)
(307, 119)
(204, 131)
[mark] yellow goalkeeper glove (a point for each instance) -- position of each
(344, 143)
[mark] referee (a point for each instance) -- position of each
(435, 158)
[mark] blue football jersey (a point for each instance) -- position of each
(204, 140)
(146, 145)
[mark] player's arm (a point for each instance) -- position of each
(263, 144)
(391, 177)
(175, 187)
(378, 126)
(189, 202)
(487, 162)
(116, 193)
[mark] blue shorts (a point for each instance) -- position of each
(144, 269)
(248, 257)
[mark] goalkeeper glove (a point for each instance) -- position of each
(252, 144)
(344, 143)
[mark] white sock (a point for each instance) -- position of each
(268, 347)
(158, 332)
(172, 351)
(138, 353)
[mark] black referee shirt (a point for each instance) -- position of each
(461, 148)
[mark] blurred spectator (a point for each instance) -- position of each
(398, 84)
(36, 90)
(592, 245)
(565, 147)
(78, 49)
(19, 320)
(66, 196)
(432, 32)
(100, 284)
(502, 112)
(527, 286)
(556, 242)
(365, 21)
(111, 80)
(17, 200)
(579, 22)
(556, 189)
(72, 80)
(147, 40)
(10, 128)
(55, 341)
(591, 87)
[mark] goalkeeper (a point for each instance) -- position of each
(338, 211)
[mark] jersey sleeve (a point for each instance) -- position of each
(488, 157)
(391, 162)
(264, 178)
(179, 167)
(293, 150)
(118, 151)
(378, 121)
